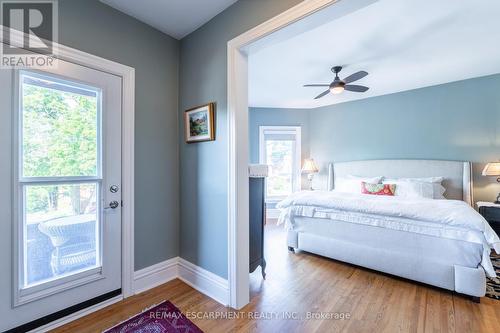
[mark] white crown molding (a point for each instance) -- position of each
(204, 281)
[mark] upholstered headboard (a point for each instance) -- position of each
(457, 175)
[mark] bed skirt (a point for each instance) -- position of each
(444, 263)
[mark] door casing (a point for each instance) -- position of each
(237, 122)
(127, 75)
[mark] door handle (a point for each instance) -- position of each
(113, 205)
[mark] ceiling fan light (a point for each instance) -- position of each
(338, 86)
(338, 89)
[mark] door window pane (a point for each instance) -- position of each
(60, 123)
(61, 230)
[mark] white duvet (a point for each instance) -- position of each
(451, 219)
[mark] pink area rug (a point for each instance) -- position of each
(161, 318)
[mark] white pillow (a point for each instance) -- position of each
(352, 184)
(407, 189)
(438, 191)
(429, 187)
(437, 180)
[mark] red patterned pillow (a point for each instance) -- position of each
(378, 189)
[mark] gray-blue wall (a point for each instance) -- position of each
(91, 26)
(276, 117)
(455, 121)
(203, 78)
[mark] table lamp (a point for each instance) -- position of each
(493, 169)
(310, 168)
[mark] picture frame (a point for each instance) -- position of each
(199, 123)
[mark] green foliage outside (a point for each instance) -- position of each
(279, 156)
(59, 139)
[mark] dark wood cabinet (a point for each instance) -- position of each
(492, 215)
(257, 220)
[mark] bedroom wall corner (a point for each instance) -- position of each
(204, 166)
(84, 25)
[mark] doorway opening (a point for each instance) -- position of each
(281, 27)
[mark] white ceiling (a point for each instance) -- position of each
(404, 45)
(176, 18)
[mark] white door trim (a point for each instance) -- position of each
(128, 119)
(237, 108)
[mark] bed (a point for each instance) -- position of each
(429, 241)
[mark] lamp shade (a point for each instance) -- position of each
(492, 169)
(309, 166)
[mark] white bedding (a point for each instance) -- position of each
(450, 219)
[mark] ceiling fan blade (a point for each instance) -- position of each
(322, 94)
(355, 88)
(355, 77)
(316, 85)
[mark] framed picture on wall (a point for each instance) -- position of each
(199, 123)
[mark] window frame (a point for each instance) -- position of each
(296, 167)
(25, 294)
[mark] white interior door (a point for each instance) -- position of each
(60, 193)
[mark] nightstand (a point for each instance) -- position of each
(491, 213)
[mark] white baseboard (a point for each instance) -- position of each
(74, 316)
(155, 275)
(200, 279)
(272, 213)
(147, 278)
(204, 281)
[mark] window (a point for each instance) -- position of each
(58, 178)
(279, 148)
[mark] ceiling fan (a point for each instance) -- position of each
(338, 86)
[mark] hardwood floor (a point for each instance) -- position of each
(302, 282)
